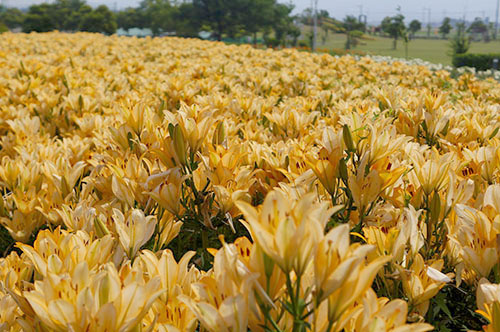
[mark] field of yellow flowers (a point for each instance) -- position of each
(180, 185)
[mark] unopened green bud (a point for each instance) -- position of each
(435, 208)
(179, 145)
(343, 170)
(100, 227)
(219, 133)
(346, 134)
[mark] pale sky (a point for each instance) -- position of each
(376, 10)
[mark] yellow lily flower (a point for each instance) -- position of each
(339, 267)
(176, 279)
(380, 314)
(488, 302)
(60, 251)
(365, 188)
(422, 282)
(432, 174)
(134, 230)
(476, 236)
(90, 300)
(288, 232)
(168, 193)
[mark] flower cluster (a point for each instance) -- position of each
(179, 185)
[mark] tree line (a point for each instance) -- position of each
(63, 15)
(223, 18)
(267, 20)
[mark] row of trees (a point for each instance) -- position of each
(66, 15)
(223, 18)
(230, 18)
(392, 26)
(395, 27)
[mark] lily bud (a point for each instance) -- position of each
(219, 133)
(100, 227)
(435, 207)
(104, 290)
(179, 145)
(348, 141)
(343, 170)
(65, 189)
(2, 207)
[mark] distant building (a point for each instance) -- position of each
(205, 35)
(135, 32)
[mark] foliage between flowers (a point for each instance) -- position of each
(179, 185)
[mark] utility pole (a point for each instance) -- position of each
(315, 29)
(496, 20)
(360, 10)
(429, 22)
(426, 12)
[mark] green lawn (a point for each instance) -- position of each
(431, 50)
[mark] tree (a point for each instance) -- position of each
(220, 16)
(351, 23)
(258, 16)
(478, 27)
(236, 17)
(69, 5)
(294, 33)
(126, 19)
(460, 43)
(414, 27)
(306, 16)
(135, 17)
(186, 22)
(63, 15)
(445, 27)
(11, 17)
(354, 31)
(283, 23)
(394, 26)
(406, 40)
(159, 15)
(322, 14)
(99, 20)
(74, 18)
(39, 19)
(68, 13)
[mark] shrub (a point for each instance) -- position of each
(3, 28)
(303, 43)
(460, 43)
(273, 42)
(478, 61)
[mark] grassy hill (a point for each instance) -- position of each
(433, 50)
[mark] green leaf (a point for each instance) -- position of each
(130, 140)
(440, 302)
(494, 133)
